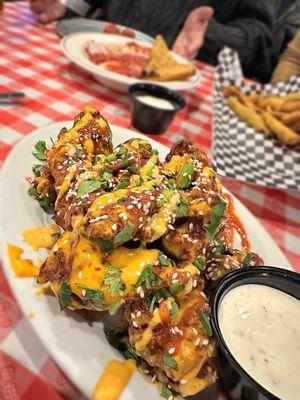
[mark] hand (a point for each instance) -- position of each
(191, 36)
(48, 10)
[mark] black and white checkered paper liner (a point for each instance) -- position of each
(240, 152)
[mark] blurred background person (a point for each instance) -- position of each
(193, 28)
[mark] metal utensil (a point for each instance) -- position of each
(11, 96)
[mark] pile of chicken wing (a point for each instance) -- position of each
(143, 237)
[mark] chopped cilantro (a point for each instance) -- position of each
(105, 245)
(166, 392)
(36, 169)
(183, 208)
(121, 199)
(79, 153)
(170, 361)
(124, 235)
(88, 186)
(246, 259)
(113, 308)
(170, 184)
(122, 153)
(40, 149)
(163, 260)
(185, 176)
(114, 281)
(216, 216)
(174, 288)
(130, 355)
(199, 263)
(31, 191)
(95, 296)
(174, 309)
(44, 202)
(123, 184)
(65, 297)
(168, 194)
(148, 277)
(99, 157)
(205, 323)
(155, 152)
(133, 169)
(111, 158)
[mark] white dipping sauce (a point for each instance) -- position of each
(157, 102)
(261, 327)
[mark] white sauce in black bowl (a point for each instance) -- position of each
(261, 328)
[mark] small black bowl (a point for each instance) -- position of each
(151, 119)
(234, 380)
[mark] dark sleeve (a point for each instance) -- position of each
(83, 8)
(248, 30)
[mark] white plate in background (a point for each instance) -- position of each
(72, 45)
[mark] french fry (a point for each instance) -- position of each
(290, 118)
(256, 98)
(248, 115)
(274, 102)
(278, 115)
(282, 132)
(233, 91)
(292, 96)
(290, 106)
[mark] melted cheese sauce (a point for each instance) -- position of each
(23, 267)
(260, 325)
(156, 102)
(44, 236)
(114, 380)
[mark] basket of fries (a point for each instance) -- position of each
(256, 128)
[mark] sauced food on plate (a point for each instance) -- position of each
(145, 236)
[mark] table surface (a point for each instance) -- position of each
(31, 61)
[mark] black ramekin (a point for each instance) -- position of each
(151, 119)
(234, 380)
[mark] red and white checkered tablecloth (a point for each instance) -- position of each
(31, 61)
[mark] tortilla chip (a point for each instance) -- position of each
(163, 66)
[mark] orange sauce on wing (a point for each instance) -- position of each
(114, 380)
(234, 224)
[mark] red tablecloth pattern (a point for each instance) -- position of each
(31, 61)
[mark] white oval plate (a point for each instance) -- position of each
(72, 45)
(79, 348)
(75, 25)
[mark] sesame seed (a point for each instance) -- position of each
(132, 315)
(139, 313)
(135, 324)
(195, 330)
(142, 293)
(172, 350)
(183, 381)
(205, 342)
(194, 283)
(80, 274)
(191, 225)
(197, 341)
(83, 292)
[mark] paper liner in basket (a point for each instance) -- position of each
(239, 151)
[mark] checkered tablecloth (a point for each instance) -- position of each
(31, 61)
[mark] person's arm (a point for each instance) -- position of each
(248, 30)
